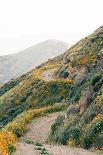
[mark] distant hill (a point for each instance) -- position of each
(14, 65)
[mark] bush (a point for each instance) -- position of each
(98, 142)
(64, 136)
(95, 79)
(11, 149)
(63, 74)
(6, 87)
(18, 132)
(92, 133)
(13, 112)
(97, 128)
(53, 88)
(68, 133)
(74, 133)
(87, 142)
(98, 85)
(57, 123)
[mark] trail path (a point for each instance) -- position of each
(38, 131)
(48, 74)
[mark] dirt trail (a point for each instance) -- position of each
(39, 128)
(48, 74)
(38, 131)
(25, 149)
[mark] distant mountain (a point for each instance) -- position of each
(12, 66)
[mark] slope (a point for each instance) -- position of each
(77, 80)
(12, 66)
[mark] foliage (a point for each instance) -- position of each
(18, 132)
(31, 96)
(17, 126)
(57, 123)
(7, 143)
(94, 128)
(74, 133)
(63, 74)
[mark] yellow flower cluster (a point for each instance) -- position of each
(6, 139)
(24, 118)
(21, 120)
(38, 72)
(70, 142)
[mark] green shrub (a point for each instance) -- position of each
(57, 123)
(53, 88)
(98, 85)
(92, 133)
(74, 133)
(13, 112)
(64, 136)
(11, 149)
(98, 142)
(95, 79)
(97, 128)
(63, 74)
(6, 87)
(87, 142)
(18, 132)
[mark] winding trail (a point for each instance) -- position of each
(48, 74)
(38, 131)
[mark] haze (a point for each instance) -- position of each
(24, 23)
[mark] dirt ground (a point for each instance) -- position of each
(38, 131)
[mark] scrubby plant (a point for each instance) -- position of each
(74, 133)
(57, 124)
(87, 142)
(63, 74)
(64, 136)
(95, 128)
(18, 132)
(95, 79)
(98, 141)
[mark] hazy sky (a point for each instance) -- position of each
(27, 22)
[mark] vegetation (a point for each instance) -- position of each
(17, 126)
(80, 129)
(39, 147)
(78, 82)
(7, 143)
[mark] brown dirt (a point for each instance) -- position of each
(48, 75)
(40, 127)
(38, 131)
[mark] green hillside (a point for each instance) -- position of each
(72, 82)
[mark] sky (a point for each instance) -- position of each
(24, 23)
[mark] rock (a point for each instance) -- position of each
(81, 76)
(73, 109)
(86, 98)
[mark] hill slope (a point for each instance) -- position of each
(76, 83)
(12, 66)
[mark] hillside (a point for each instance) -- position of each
(72, 83)
(14, 65)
